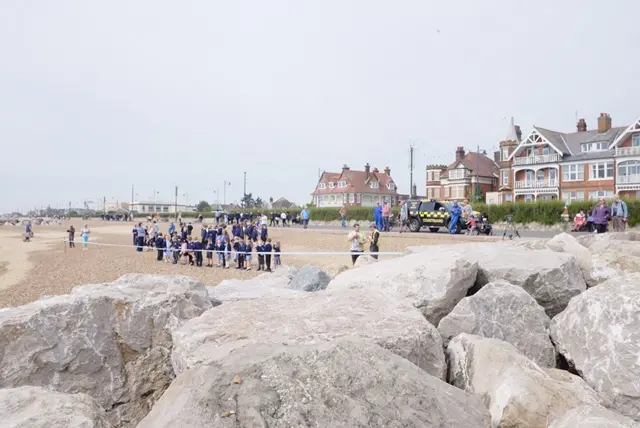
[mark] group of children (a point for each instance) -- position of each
(215, 240)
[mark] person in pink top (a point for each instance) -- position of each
(386, 215)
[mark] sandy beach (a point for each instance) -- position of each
(46, 266)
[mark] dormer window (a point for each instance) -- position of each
(322, 186)
(391, 186)
(594, 147)
(342, 184)
(374, 185)
(332, 185)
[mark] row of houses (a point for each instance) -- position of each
(547, 165)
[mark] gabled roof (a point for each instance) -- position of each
(485, 165)
(634, 127)
(357, 182)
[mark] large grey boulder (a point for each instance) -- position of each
(599, 335)
(110, 341)
(517, 392)
(432, 283)
(593, 417)
(549, 277)
(274, 284)
(391, 323)
(503, 311)
(35, 407)
(340, 384)
(310, 278)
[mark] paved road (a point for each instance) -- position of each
(497, 232)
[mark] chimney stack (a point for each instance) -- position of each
(604, 123)
(518, 132)
(367, 170)
(387, 171)
(582, 125)
(459, 153)
(496, 157)
(415, 190)
(345, 167)
(375, 169)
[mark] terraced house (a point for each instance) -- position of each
(582, 165)
(359, 188)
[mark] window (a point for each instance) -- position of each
(601, 171)
(629, 172)
(457, 173)
(540, 175)
(508, 197)
(599, 194)
(457, 192)
(352, 198)
(332, 185)
(505, 177)
(594, 147)
(569, 197)
(158, 209)
(144, 207)
(333, 198)
(357, 198)
(573, 172)
(505, 153)
(635, 141)
(342, 184)
(391, 186)
(546, 150)
(374, 185)
(436, 175)
(322, 186)
(446, 192)
(165, 209)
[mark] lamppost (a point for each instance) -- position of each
(186, 195)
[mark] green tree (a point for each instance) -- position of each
(203, 207)
(258, 202)
(248, 201)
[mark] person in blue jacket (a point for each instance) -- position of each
(172, 229)
(377, 215)
(456, 212)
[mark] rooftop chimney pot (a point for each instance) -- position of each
(604, 123)
(459, 153)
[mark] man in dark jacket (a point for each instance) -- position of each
(160, 246)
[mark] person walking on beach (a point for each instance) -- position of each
(28, 232)
(620, 214)
(343, 216)
(84, 233)
(72, 236)
(140, 232)
(386, 216)
(305, 218)
(356, 239)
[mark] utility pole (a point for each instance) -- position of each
(245, 189)
(104, 204)
(224, 192)
(133, 187)
(478, 191)
(175, 204)
(411, 152)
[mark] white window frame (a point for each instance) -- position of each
(358, 198)
(505, 177)
(332, 185)
(322, 186)
(635, 140)
(596, 168)
(505, 154)
(436, 175)
(391, 186)
(573, 172)
(569, 197)
(596, 195)
(143, 208)
(352, 198)
(374, 185)
(447, 191)
(508, 197)
(594, 147)
(342, 184)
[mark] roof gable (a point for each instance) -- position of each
(634, 127)
(539, 136)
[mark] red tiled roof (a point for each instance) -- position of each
(472, 161)
(357, 182)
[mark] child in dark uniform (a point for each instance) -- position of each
(176, 250)
(210, 250)
(268, 248)
(238, 248)
(197, 249)
(260, 251)
(247, 253)
(276, 256)
(227, 252)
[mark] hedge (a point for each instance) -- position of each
(542, 212)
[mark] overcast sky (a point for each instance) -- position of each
(98, 96)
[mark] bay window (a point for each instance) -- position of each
(601, 171)
(573, 172)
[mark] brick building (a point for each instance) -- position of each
(359, 188)
(462, 178)
(582, 165)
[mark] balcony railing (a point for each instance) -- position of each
(624, 179)
(628, 151)
(532, 160)
(536, 184)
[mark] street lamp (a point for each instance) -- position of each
(186, 195)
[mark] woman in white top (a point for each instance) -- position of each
(85, 237)
(283, 217)
(356, 239)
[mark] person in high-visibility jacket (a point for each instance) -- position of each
(456, 212)
(374, 241)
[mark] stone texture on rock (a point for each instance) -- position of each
(364, 260)
(593, 417)
(599, 335)
(592, 272)
(310, 278)
(517, 392)
(268, 284)
(549, 277)
(35, 407)
(391, 323)
(340, 384)
(503, 311)
(112, 342)
(433, 283)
